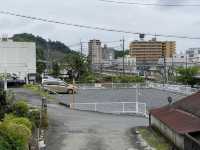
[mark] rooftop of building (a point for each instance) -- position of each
(182, 116)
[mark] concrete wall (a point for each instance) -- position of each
(175, 138)
(17, 57)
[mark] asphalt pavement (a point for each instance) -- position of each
(82, 130)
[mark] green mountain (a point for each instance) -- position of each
(54, 51)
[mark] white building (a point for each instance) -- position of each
(178, 60)
(108, 53)
(17, 58)
(190, 58)
(129, 63)
(193, 55)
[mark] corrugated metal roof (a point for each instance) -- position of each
(189, 104)
(182, 116)
(178, 120)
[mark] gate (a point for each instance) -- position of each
(113, 107)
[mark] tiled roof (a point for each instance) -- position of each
(182, 116)
(189, 104)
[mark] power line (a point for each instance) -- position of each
(152, 4)
(97, 28)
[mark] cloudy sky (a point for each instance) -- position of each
(165, 20)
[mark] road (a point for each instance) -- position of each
(82, 130)
(152, 97)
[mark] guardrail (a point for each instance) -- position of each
(113, 107)
(184, 89)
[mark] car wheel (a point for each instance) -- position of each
(70, 92)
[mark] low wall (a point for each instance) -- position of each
(174, 137)
(191, 143)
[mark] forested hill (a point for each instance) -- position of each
(56, 49)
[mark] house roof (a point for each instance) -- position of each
(189, 104)
(182, 116)
(178, 120)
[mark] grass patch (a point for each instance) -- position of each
(154, 139)
(38, 90)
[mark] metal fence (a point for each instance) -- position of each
(113, 107)
(112, 85)
(184, 89)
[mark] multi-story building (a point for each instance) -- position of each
(95, 52)
(18, 58)
(149, 52)
(193, 55)
(178, 60)
(108, 53)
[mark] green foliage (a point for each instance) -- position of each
(56, 69)
(55, 49)
(87, 78)
(4, 143)
(38, 90)
(120, 53)
(40, 67)
(96, 78)
(20, 109)
(18, 120)
(77, 63)
(128, 79)
(6, 102)
(154, 139)
(15, 131)
(186, 75)
(34, 117)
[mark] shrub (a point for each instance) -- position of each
(18, 120)
(34, 117)
(20, 109)
(15, 131)
(4, 143)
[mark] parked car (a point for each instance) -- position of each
(59, 87)
(49, 78)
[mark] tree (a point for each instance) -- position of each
(76, 63)
(187, 75)
(56, 69)
(121, 53)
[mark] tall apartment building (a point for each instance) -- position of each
(149, 52)
(95, 52)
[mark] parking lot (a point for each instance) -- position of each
(152, 97)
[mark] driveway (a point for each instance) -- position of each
(82, 130)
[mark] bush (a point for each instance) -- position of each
(18, 120)
(34, 117)
(15, 131)
(20, 109)
(4, 143)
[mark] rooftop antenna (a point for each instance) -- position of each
(141, 36)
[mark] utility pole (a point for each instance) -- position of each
(123, 47)
(186, 62)
(81, 44)
(5, 80)
(48, 57)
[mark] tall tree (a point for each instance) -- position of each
(187, 75)
(56, 69)
(76, 63)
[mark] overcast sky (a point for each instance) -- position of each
(165, 20)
